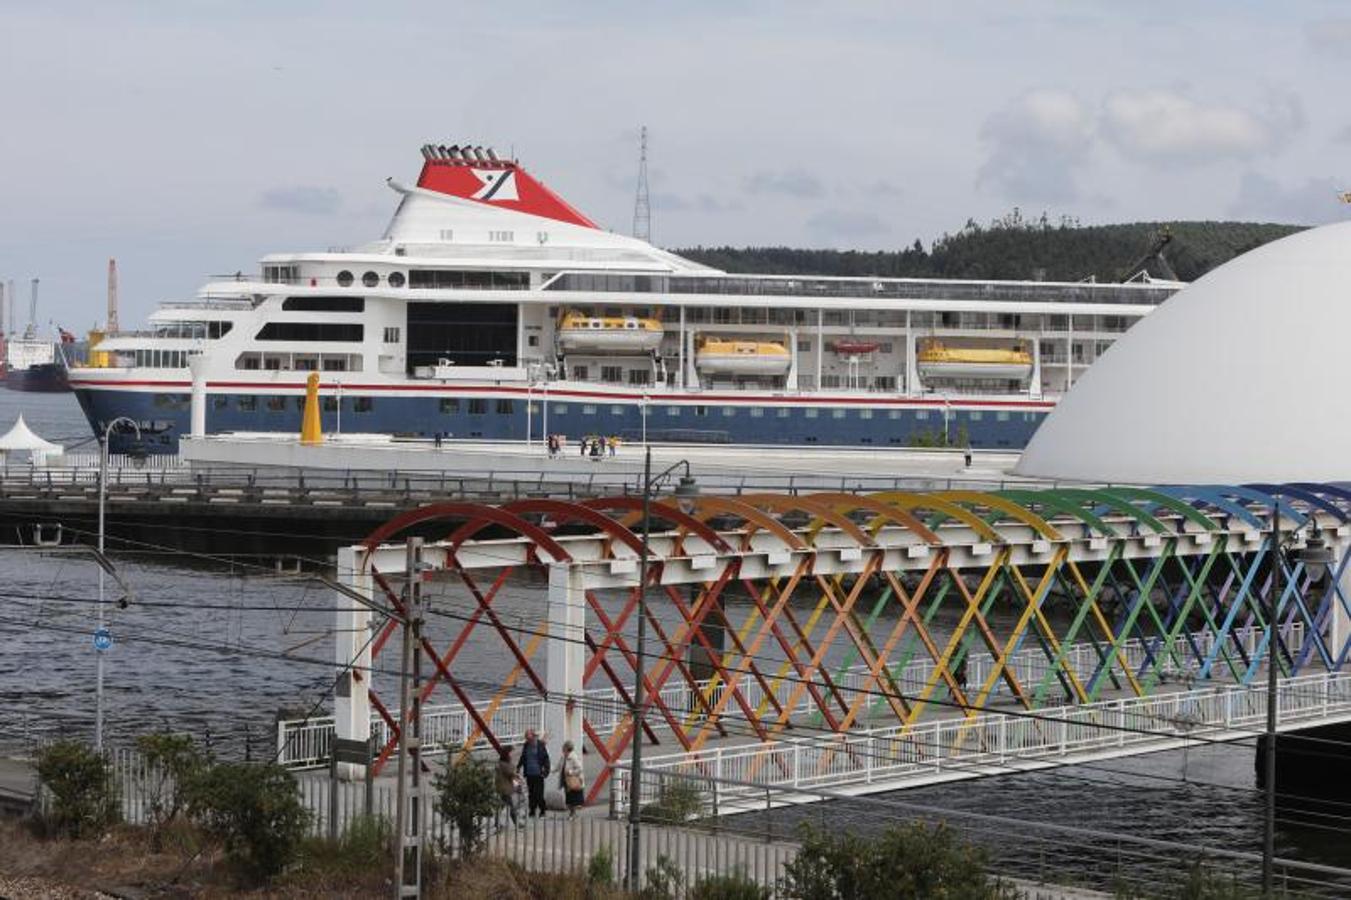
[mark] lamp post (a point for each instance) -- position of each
(687, 488)
(99, 650)
(1315, 555)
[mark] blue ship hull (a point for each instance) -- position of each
(891, 423)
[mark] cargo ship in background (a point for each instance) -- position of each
(36, 364)
(492, 310)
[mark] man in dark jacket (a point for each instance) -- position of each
(534, 763)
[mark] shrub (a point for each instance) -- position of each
(679, 801)
(664, 880)
(467, 798)
(173, 761)
(731, 886)
(903, 862)
(601, 868)
(84, 797)
(255, 810)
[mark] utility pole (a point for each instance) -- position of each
(642, 208)
(409, 807)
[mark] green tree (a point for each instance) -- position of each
(905, 862)
(255, 810)
(84, 798)
(467, 798)
(728, 886)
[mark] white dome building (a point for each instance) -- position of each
(1240, 377)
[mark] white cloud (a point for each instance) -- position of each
(1167, 127)
(1034, 145)
(1330, 37)
(1314, 202)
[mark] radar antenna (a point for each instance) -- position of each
(642, 207)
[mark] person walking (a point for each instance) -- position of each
(572, 779)
(582, 444)
(614, 445)
(505, 780)
(534, 762)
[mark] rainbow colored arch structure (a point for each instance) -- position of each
(773, 615)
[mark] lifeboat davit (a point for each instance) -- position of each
(735, 357)
(937, 360)
(855, 347)
(609, 334)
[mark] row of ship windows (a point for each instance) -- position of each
(479, 406)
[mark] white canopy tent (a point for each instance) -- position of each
(22, 439)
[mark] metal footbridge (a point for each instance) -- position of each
(860, 642)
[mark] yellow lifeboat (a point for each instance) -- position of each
(735, 357)
(937, 360)
(608, 334)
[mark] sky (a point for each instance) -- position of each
(191, 137)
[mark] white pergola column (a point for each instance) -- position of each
(351, 700)
(1338, 627)
(565, 655)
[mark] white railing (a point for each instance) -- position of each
(995, 743)
(305, 742)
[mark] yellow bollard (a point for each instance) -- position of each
(311, 432)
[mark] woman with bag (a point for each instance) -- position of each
(572, 779)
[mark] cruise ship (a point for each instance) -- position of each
(493, 310)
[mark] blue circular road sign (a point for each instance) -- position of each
(103, 639)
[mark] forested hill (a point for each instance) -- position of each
(1015, 248)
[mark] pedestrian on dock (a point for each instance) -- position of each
(438, 440)
(572, 779)
(507, 782)
(614, 445)
(583, 443)
(595, 449)
(534, 763)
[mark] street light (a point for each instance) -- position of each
(685, 490)
(1315, 556)
(99, 649)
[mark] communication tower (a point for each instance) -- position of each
(642, 207)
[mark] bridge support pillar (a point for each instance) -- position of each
(566, 655)
(1337, 630)
(351, 697)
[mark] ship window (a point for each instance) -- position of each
(218, 329)
(701, 410)
(276, 404)
(532, 340)
(811, 412)
(171, 401)
(1029, 417)
(501, 237)
(505, 407)
(272, 363)
(672, 410)
(396, 279)
(783, 412)
(300, 403)
(838, 413)
(449, 279)
(363, 404)
(975, 415)
(728, 411)
(370, 279)
(329, 404)
(588, 410)
(893, 414)
(616, 410)
(579, 373)
(450, 405)
(921, 414)
(311, 331)
(306, 363)
(392, 334)
(865, 413)
(757, 412)
(640, 376)
(612, 374)
(324, 304)
(246, 404)
(1001, 416)
(478, 407)
(344, 278)
(335, 363)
